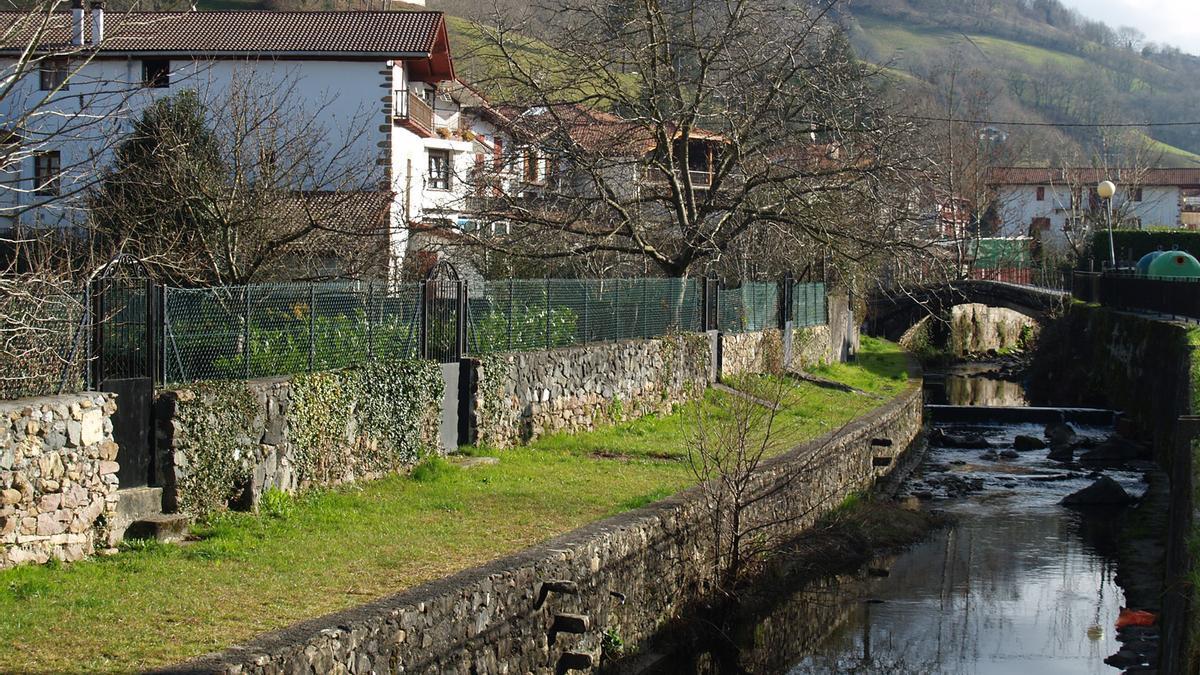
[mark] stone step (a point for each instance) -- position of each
(139, 502)
(164, 527)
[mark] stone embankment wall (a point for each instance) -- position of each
(58, 477)
(523, 395)
(627, 575)
(1150, 370)
(978, 329)
(223, 442)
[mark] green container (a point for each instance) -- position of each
(1177, 264)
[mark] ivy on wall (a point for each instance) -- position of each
(214, 418)
(367, 421)
(341, 425)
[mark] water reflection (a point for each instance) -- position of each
(1008, 592)
(974, 384)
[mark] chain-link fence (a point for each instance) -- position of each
(41, 351)
(515, 315)
(279, 329)
(240, 333)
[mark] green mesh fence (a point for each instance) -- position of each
(517, 315)
(808, 305)
(750, 307)
(280, 329)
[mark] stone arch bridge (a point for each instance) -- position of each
(890, 314)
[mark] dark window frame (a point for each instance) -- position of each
(1135, 194)
(1041, 194)
(53, 73)
(47, 173)
(439, 177)
(156, 73)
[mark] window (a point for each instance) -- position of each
(156, 73)
(53, 74)
(47, 173)
(439, 169)
(531, 166)
(1135, 194)
(1041, 194)
(498, 153)
(1040, 225)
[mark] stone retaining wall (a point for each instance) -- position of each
(1149, 369)
(229, 442)
(58, 477)
(521, 396)
(631, 572)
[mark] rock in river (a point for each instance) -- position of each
(1025, 443)
(1113, 450)
(1104, 492)
(945, 440)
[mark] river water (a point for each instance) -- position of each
(1017, 585)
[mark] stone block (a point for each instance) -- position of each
(51, 466)
(107, 467)
(91, 427)
(47, 524)
(10, 496)
(50, 502)
(74, 433)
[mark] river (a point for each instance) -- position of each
(1017, 584)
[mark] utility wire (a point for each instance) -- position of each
(927, 118)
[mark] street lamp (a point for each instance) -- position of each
(1106, 189)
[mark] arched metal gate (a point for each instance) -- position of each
(122, 350)
(443, 338)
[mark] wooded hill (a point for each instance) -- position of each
(1004, 60)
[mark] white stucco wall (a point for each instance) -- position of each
(342, 98)
(1019, 206)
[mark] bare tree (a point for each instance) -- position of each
(246, 183)
(680, 132)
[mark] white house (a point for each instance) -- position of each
(1049, 204)
(367, 77)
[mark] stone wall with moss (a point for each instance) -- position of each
(628, 575)
(58, 477)
(1149, 369)
(225, 443)
(523, 395)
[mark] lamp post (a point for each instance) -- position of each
(1106, 189)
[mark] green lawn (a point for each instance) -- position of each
(153, 605)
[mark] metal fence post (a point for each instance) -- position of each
(510, 312)
(617, 307)
(586, 325)
(370, 325)
(643, 311)
(246, 332)
(312, 325)
(784, 300)
(547, 312)
(423, 320)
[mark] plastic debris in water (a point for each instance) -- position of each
(1135, 617)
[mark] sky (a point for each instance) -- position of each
(1175, 22)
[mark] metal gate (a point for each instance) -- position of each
(123, 308)
(443, 338)
(443, 333)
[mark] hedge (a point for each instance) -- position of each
(1133, 244)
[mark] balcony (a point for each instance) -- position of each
(413, 113)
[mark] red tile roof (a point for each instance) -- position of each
(240, 32)
(1076, 176)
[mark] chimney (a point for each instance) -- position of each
(97, 22)
(77, 23)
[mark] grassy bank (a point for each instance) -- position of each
(154, 605)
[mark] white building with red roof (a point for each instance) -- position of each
(364, 80)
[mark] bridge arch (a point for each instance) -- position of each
(891, 314)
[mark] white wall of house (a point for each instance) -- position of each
(1019, 207)
(343, 97)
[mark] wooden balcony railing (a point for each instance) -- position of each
(414, 113)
